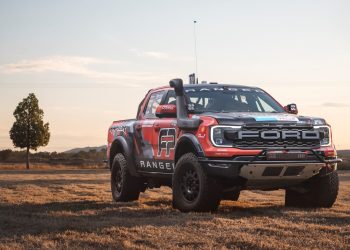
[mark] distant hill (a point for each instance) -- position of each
(344, 153)
(85, 149)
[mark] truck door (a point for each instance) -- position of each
(144, 129)
(164, 138)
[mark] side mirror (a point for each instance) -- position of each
(166, 111)
(291, 108)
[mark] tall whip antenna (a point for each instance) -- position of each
(195, 49)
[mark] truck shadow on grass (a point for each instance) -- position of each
(93, 216)
(50, 183)
(82, 216)
(49, 172)
(320, 216)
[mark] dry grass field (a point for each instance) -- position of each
(72, 208)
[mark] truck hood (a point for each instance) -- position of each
(241, 118)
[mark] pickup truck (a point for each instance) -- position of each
(210, 141)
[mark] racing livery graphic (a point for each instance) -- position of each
(166, 141)
(210, 141)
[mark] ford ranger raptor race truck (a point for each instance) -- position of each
(210, 141)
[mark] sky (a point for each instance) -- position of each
(91, 62)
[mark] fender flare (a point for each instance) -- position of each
(192, 141)
(124, 146)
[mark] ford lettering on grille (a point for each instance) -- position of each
(276, 134)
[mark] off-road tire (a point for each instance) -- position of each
(124, 186)
(206, 192)
(232, 195)
(322, 192)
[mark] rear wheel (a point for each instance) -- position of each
(322, 192)
(193, 189)
(124, 186)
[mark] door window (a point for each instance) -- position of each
(170, 98)
(153, 103)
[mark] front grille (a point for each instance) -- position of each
(281, 143)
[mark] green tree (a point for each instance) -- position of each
(29, 130)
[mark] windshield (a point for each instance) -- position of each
(230, 99)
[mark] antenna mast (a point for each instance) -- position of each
(195, 49)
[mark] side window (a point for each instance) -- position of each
(153, 103)
(171, 98)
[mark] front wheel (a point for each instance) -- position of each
(124, 186)
(322, 192)
(193, 189)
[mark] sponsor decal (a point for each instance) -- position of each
(190, 106)
(157, 166)
(286, 118)
(166, 141)
(168, 107)
(265, 119)
(232, 89)
(119, 130)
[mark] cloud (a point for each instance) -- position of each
(335, 105)
(67, 64)
(74, 65)
(159, 55)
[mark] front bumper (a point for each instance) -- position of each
(259, 172)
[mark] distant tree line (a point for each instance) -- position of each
(345, 156)
(91, 157)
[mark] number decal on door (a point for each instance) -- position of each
(166, 141)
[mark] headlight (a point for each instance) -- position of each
(318, 122)
(217, 135)
(325, 132)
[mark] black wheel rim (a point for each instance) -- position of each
(189, 183)
(118, 179)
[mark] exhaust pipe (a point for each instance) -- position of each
(183, 122)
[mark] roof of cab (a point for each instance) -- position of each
(215, 85)
(208, 85)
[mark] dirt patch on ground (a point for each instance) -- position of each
(70, 208)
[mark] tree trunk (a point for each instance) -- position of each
(27, 157)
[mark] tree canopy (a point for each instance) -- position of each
(29, 130)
